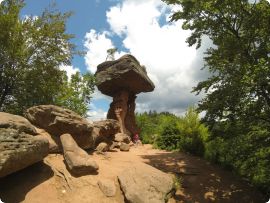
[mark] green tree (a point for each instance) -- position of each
(76, 93)
(239, 87)
(31, 51)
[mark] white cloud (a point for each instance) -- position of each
(161, 47)
(97, 45)
(70, 70)
(96, 114)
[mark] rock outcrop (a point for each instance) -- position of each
(142, 183)
(121, 137)
(16, 122)
(54, 121)
(77, 160)
(104, 131)
(122, 79)
(54, 141)
(19, 147)
(57, 121)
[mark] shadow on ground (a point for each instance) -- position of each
(14, 187)
(204, 182)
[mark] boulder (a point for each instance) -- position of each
(16, 122)
(114, 145)
(102, 147)
(104, 131)
(77, 160)
(125, 73)
(57, 121)
(19, 150)
(124, 147)
(121, 137)
(142, 183)
(107, 127)
(107, 187)
(54, 141)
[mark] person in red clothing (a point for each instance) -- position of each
(136, 138)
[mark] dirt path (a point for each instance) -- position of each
(51, 182)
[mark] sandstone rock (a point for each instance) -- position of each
(104, 131)
(54, 141)
(114, 145)
(142, 183)
(102, 147)
(121, 137)
(107, 187)
(124, 147)
(19, 150)
(57, 121)
(77, 160)
(122, 79)
(125, 73)
(107, 127)
(16, 122)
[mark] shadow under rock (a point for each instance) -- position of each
(14, 187)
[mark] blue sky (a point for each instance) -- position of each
(86, 14)
(139, 27)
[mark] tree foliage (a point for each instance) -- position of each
(237, 101)
(76, 93)
(31, 51)
(238, 60)
(167, 131)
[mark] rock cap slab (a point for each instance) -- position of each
(126, 73)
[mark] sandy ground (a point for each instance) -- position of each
(49, 181)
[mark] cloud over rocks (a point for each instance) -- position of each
(159, 45)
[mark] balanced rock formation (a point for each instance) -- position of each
(19, 147)
(142, 183)
(57, 121)
(122, 79)
(78, 161)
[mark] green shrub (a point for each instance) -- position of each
(169, 138)
(193, 133)
(248, 154)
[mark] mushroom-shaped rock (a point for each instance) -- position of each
(122, 79)
(126, 73)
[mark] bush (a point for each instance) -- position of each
(185, 134)
(193, 133)
(152, 124)
(248, 154)
(169, 138)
